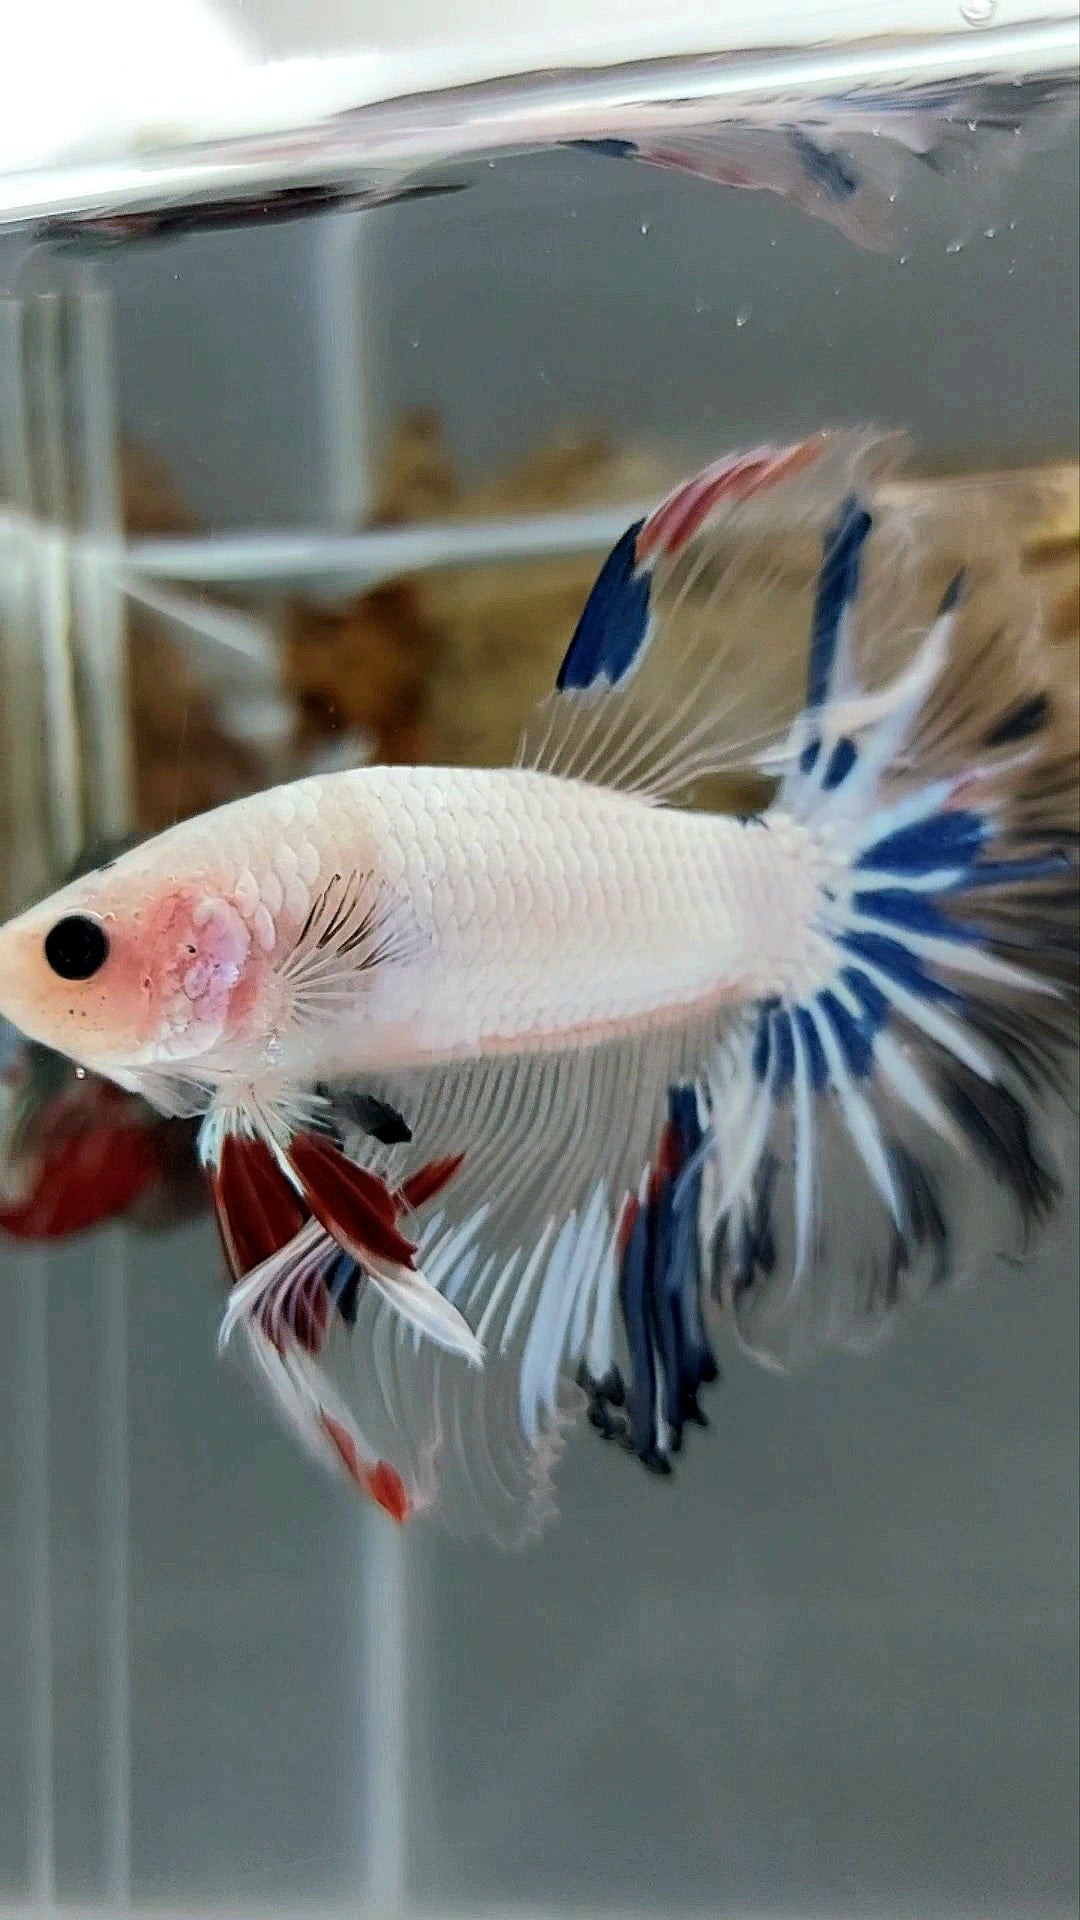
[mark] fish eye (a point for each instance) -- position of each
(76, 947)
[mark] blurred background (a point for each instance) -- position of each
(831, 1667)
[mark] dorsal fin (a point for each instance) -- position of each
(681, 664)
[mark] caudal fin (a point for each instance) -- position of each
(875, 1124)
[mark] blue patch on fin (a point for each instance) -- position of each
(762, 1043)
(612, 629)
(634, 1302)
(854, 1036)
(891, 957)
(1020, 721)
(343, 1285)
(660, 1299)
(1009, 873)
(784, 1072)
(613, 148)
(916, 912)
(838, 584)
(815, 1052)
(841, 761)
(831, 171)
(870, 997)
(945, 840)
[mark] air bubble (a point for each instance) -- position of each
(743, 316)
(955, 246)
(978, 13)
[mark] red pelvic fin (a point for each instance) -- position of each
(258, 1211)
(355, 1206)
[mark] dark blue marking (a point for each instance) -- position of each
(342, 1283)
(634, 1303)
(808, 756)
(838, 584)
(953, 592)
(660, 1297)
(1007, 873)
(815, 1052)
(869, 995)
(833, 172)
(757, 1242)
(893, 958)
(997, 1125)
(784, 1072)
(945, 840)
(614, 149)
(762, 1046)
(1020, 721)
(609, 635)
(686, 1358)
(856, 1044)
(841, 761)
(916, 912)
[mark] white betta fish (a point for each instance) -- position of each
(520, 1073)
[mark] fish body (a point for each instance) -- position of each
(514, 1077)
(523, 911)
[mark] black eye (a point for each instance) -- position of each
(76, 947)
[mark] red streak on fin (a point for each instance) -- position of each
(354, 1206)
(427, 1181)
(257, 1210)
(684, 512)
(628, 1221)
(667, 1163)
(387, 1489)
(380, 1482)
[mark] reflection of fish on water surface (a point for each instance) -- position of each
(840, 158)
(518, 1074)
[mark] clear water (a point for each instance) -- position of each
(830, 1668)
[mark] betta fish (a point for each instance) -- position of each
(513, 1080)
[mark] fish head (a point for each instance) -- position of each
(140, 964)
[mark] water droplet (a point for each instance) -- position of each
(903, 260)
(989, 232)
(955, 246)
(644, 226)
(978, 13)
(743, 316)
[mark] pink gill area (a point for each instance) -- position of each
(191, 958)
